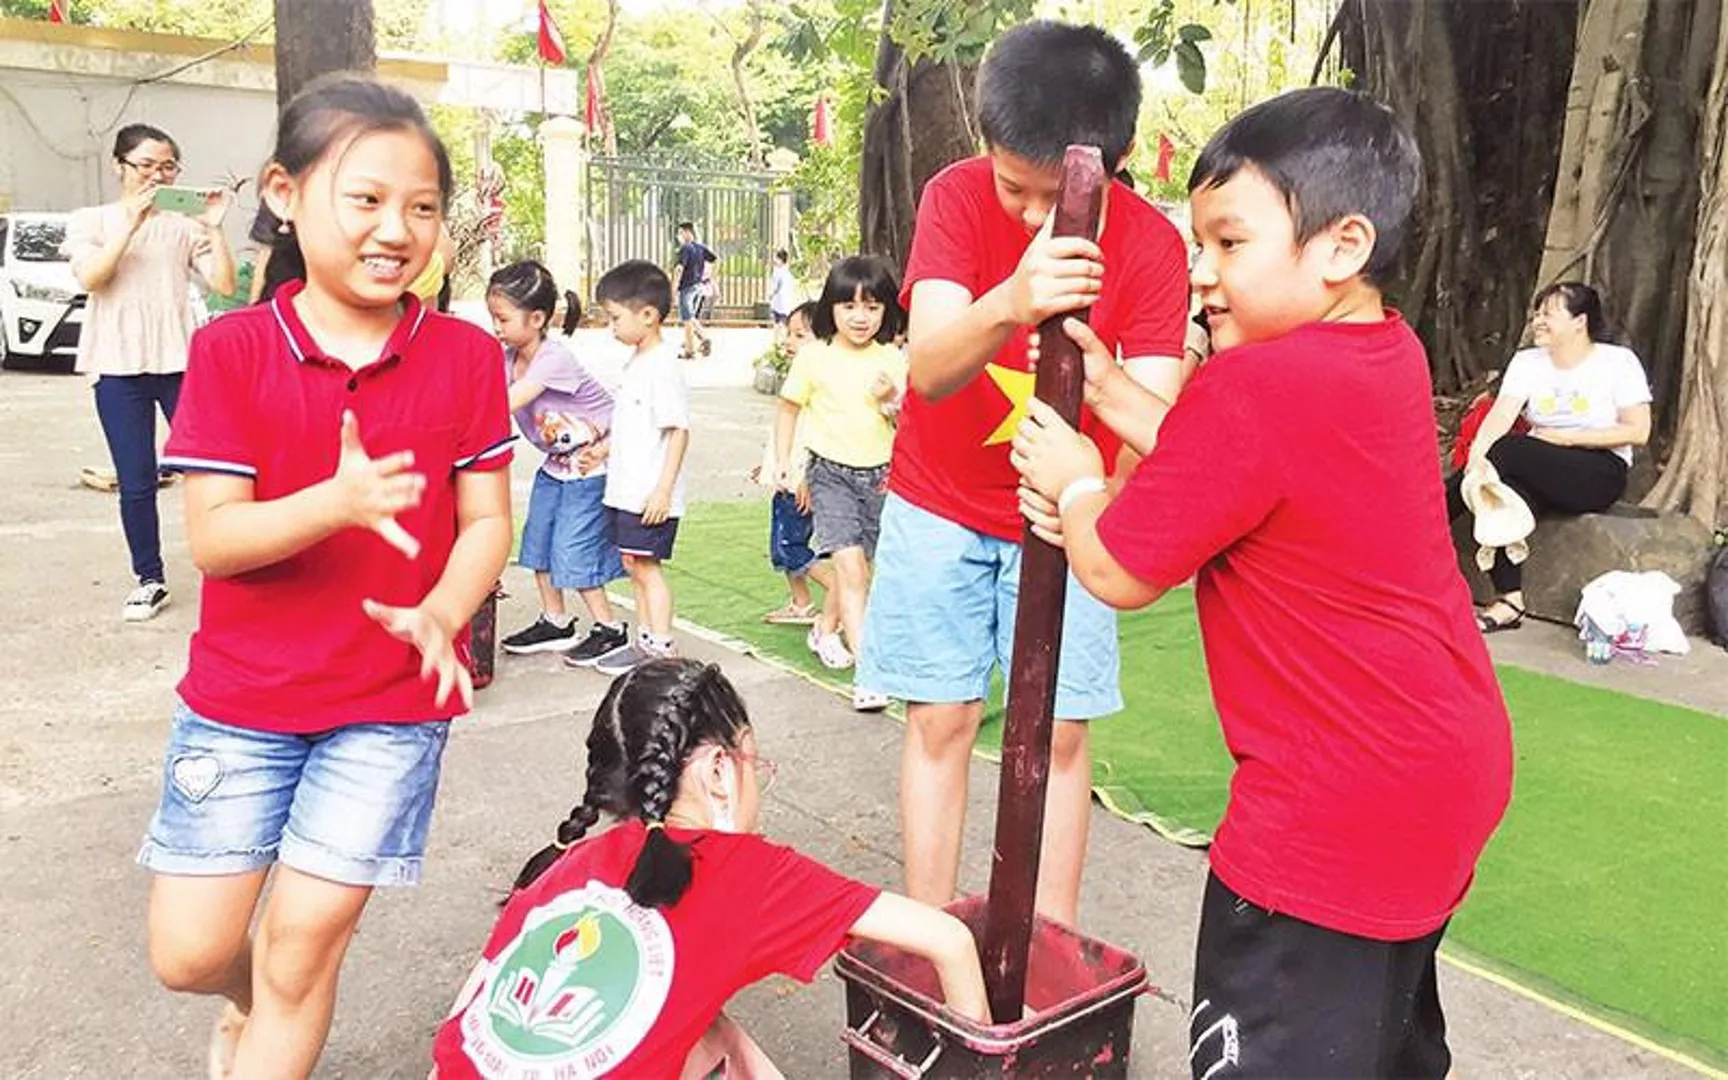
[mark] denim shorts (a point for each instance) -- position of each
(941, 620)
(847, 505)
(350, 805)
(789, 535)
(689, 302)
(567, 535)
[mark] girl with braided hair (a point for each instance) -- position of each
(616, 952)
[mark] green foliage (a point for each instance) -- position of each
(954, 30)
(397, 23)
(826, 182)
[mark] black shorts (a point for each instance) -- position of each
(634, 538)
(1278, 997)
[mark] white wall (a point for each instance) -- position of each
(57, 134)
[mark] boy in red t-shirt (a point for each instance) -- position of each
(982, 271)
(1298, 482)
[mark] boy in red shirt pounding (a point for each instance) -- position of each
(1297, 482)
(982, 271)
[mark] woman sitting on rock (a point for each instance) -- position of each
(1587, 403)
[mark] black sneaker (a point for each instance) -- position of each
(544, 636)
(600, 641)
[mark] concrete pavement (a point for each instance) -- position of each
(87, 707)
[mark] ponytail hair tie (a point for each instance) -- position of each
(560, 844)
(652, 825)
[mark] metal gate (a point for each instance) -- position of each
(633, 209)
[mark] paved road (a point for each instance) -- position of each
(86, 708)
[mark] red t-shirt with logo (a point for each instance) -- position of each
(1299, 480)
(951, 456)
(286, 647)
(579, 982)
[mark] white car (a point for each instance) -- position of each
(41, 302)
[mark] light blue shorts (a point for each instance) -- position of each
(567, 535)
(350, 805)
(941, 619)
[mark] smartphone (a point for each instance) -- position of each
(185, 200)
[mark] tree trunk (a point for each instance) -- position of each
(1482, 88)
(318, 36)
(756, 20)
(747, 105)
(925, 121)
(596, 64)
(1696, 479)
(1626, 206)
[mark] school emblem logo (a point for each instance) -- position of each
(574, 992)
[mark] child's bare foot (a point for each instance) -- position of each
(224, 1040)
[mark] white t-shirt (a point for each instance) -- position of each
(650, 403)
(1587, 397)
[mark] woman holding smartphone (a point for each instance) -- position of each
(137, 260)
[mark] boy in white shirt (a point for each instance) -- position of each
(644, 453)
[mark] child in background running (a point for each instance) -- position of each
(561, 410)
(616, 952)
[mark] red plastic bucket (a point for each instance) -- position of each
(1079, 993)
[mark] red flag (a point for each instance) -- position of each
(591, 107)
(819, 126)
(57, 10)
(1166, 151)
(551, 41)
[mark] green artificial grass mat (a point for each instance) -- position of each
(1606, 886)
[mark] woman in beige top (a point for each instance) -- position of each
(137, 263)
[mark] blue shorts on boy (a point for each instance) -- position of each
(645, 541)
(789, 532)
(567, 533)
(351, 805)
(941, 619)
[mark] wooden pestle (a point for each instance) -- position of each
(1026, 735)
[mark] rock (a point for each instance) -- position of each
(1566, 553)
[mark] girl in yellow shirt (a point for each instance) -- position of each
(847, 385)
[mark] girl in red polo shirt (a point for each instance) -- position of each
(348, 505)
(616, 952)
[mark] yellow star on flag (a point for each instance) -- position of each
(1016, 386)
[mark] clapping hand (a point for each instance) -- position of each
(435, 642)
(375, 490)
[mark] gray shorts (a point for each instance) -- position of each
(846, 504)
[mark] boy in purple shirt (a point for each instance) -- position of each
(562, 410)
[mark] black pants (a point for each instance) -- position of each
(1276, 998)
(1552, 479)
